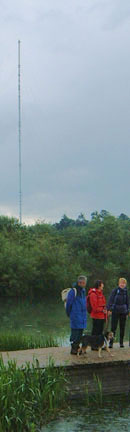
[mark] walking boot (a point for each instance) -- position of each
(74, 349)
(121, 344)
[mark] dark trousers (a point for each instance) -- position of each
(98, 325)
(75, 337)
(121, 318)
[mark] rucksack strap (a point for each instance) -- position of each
(115, 298)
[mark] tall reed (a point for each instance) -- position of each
(30, 396)
(14, 341)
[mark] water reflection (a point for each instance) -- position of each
(100, 420)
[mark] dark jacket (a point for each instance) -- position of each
(76, 308)
(118, 301)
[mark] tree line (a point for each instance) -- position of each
(40, 260)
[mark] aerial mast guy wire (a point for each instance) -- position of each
(19, 133)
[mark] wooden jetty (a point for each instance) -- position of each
(113, 372)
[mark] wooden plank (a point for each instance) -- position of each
(115, 378)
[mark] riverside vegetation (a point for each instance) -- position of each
(39, 261)
(14, 341)
(29, 397)
(32, 397)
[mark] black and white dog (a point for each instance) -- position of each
(96, 343)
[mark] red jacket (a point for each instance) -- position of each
(98, 303)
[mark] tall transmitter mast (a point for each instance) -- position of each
(19, 133)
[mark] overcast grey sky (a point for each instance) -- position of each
(75, 81)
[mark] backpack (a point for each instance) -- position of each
(89, 307)
(64, 294)
(115, 298)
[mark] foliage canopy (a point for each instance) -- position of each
(42, 259)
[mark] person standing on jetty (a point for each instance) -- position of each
(76, 310)
(98, 311)
(118, 304)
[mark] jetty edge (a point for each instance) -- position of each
(82, 372)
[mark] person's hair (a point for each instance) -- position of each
(122, 280)
(97, 283)
(82, 278)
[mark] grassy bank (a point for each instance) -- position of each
(14, 341)
(29, 397)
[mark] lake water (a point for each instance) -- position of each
(47, 317)
(108, 419)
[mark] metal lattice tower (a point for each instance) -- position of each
(19, 133)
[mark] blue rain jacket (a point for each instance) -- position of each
(76, 308)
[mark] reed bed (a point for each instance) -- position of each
(29, 397)
(14, 341)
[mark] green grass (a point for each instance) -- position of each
(29, 397)
(14, 341)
